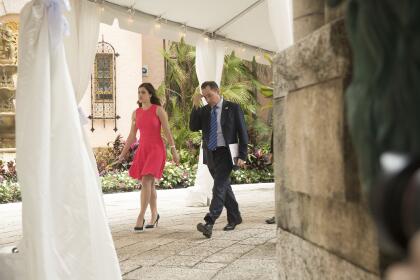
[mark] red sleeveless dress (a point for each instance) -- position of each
(150, 156)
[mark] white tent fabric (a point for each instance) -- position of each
(281, 22)
(209, 60)
(247, 24)
(65, 230)
(80, 47)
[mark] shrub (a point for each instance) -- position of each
(177, 176)
(116, 179)
(9, 192)
(106, 157)
(118, 182)
(8, 171)
(258, 157)
(252, 176)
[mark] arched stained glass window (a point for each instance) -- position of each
(103, 86)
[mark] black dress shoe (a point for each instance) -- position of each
(205, 229)
(271, 220)
(230, 226)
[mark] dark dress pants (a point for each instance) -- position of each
(220, 166)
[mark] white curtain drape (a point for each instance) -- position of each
(281, 21)
(209, 67)
(80, 46)
(65, 230)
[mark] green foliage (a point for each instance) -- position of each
(181, 79)
(174, 176)
(237, 83)
(118, 181)
(8, 171)
(258, 130)
(114, 180)
(251, 176)
(106, 157)
(258, 157)
(9, 192)
(240, 93)
(179, 123)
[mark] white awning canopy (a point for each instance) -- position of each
(243, 25)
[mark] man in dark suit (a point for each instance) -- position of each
(222, 123)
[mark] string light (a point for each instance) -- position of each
(206, 36)
(259, 52)
(183, 32)
(101, 3)
(131, 13)
(157, 23)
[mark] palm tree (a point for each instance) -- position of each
(238, 85)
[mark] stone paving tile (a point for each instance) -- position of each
(240, 234)
(120, 243)
(129, 265)
(198, 251)
(175, 250)
(238, 248)
(176, 246)
(135, 249)
(220, 243)
(180, 260)
(207, 247)
(222, 257)
(172, 273)
(253, 241)
(210, 266)
(265, 251)
(269, 234)
(248, 269)
(9, 240)
(149, 258)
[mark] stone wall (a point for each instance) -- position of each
(325, 231)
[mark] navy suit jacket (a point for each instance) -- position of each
(233, 126)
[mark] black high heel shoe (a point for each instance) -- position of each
(155, 224)
(140, 229)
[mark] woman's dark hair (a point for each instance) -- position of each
(151, 90)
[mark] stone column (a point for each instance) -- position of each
(307, 17)
(324, 229)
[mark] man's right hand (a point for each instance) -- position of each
(197, 100)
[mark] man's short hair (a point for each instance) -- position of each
(212, 84)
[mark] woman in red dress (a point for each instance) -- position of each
(150, 157)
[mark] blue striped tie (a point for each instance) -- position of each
(213, 130)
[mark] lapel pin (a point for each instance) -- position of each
(226, 108)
